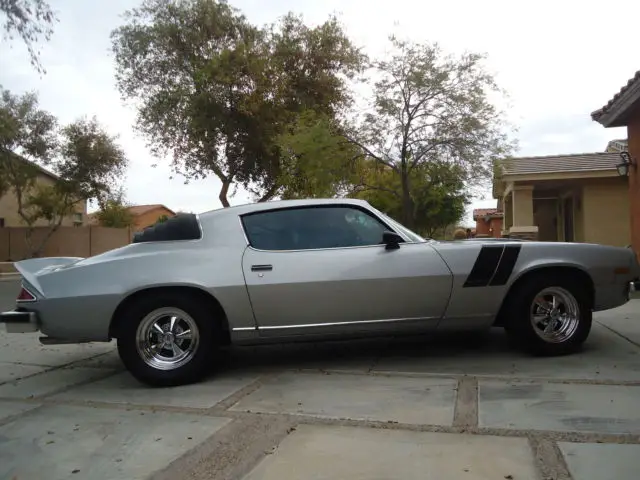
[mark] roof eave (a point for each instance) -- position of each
(561, 175)
(616, 114)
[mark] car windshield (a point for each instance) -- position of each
(412, 235)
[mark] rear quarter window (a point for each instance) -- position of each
(184, 226)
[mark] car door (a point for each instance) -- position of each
(324, 270)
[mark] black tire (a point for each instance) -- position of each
(518, 318)
(201, 356)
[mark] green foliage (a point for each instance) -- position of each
(83, 163)
(90, 161)
(438, 196)
(215, 91)
(27, 128)
(114, 212)
(30, 20)
(162, 219)
(316, 159)
(429, 138)
(432, 109)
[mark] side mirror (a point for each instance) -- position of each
(392, 240)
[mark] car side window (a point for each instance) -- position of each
(313, 227)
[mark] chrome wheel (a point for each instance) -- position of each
(167, 338)
(555, 315)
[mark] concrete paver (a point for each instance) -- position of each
(62, 442)
(8, 409)
(13, 371)
(124, 389)
(597, 461)
(109, 360)
(606, 356)
(404, 400)
(562, 407)
(139, 442)
(624, 319)
(354, 355)
(29, 350)
(321, 452)
(49, 382)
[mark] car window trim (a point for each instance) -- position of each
(333, 205)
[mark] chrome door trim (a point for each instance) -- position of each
(335, 324)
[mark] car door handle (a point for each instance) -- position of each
(261, 268)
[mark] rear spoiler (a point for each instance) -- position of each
(34, 267)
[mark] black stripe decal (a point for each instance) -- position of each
(507, 262)
(485, 266)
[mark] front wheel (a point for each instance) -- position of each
(166, 341)
(549, 316)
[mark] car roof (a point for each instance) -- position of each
(276, 204)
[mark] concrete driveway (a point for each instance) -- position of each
(416, 408)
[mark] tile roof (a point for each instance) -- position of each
(580, 162)
(618, 145)
(141, 209)
(40, 168)
(603, 110)
(483, 212)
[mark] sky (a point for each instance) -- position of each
(558, 61)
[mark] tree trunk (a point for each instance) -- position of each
(29, 241)
(407, 201)
(37, 251)
(223, 193)
(269, 193)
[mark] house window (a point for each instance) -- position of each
(77, 219)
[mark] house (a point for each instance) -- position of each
(146, 215)
(623, 110)
(572, 198)
(9, 216)
(488, 222)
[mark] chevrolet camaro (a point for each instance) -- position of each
(310, 270)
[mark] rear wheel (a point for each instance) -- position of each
(168, 340)
(549, 315)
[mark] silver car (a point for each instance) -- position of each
(310, 270)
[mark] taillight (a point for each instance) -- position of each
(25, 295)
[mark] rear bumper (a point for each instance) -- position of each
(20, 321)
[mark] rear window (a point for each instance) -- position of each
(183, 226)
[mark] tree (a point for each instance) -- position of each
(438, 195)
(317, 161)
(90, 161)
(431, 109)
(215, 91)
(114, 212)
(83, 163)
(31, 20)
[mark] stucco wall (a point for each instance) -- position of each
(522, 206)
(482, 227)
(9, 208)
(149, 218)
(633, 198)
(490, 228)
(605, 214)
(545, 218)
(65, 242)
